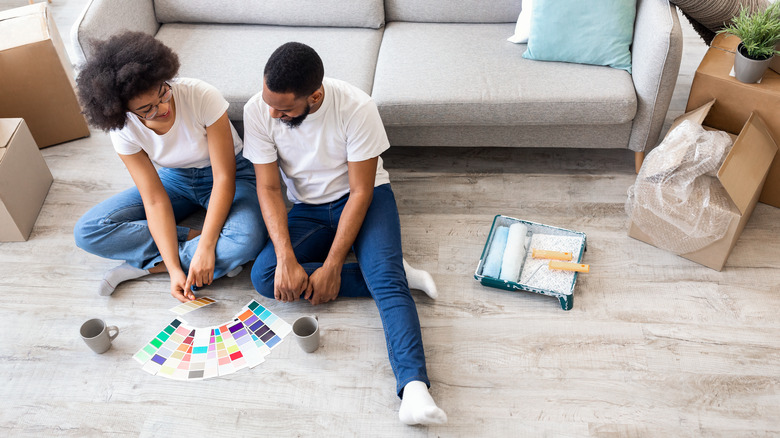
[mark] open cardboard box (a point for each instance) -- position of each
(36, 76)
(737, 101)
(24, 180)
(742, 175)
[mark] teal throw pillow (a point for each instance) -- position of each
(586, 32)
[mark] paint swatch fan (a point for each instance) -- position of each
(182, 352)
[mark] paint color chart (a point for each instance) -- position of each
(182, 352)
(189, 306)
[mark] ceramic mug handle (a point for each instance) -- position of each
(116, 332)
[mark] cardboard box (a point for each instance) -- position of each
(37, 76)
(24, 180)
(742, 175)
(775, 65)
(737, 101)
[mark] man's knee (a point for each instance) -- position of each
(263, 279)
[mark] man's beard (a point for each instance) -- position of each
(294, 122)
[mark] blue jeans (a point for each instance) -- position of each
(117, 228)
(379, 272)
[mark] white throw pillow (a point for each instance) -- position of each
(523, 27)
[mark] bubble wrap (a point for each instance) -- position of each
(676, 200)
(545, 278)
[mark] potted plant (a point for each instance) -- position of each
(759, 32)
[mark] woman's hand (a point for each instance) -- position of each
(179, 288)
(201, 268)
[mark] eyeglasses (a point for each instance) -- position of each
(165, 98)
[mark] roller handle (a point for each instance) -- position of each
(567, 266)
(553, 255)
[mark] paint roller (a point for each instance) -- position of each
(492, 265)
(514, 254)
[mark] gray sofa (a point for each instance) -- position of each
(441, 71)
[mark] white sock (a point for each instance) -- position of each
(422, 280)
(237, 270)
(117, 275)
(418, 407)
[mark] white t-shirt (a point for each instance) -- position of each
(313, 156)
(185, 145)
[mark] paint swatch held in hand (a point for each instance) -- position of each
(189, 306)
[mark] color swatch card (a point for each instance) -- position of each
(182, 352)
(189, 306)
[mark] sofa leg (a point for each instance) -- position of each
(639, 158)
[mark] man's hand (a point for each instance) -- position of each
(290, 280)
(324, 285)
(201, 268)
(178, 289)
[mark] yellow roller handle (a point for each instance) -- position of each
(553, 255)
(567, 266)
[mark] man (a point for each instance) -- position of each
(326, 137)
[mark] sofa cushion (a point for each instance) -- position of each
(232, 57)
(318, 13)
(528, 136)
(449, 11)
(420, 81)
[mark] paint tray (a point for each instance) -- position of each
(533, 278)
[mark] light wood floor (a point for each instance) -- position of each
(654, 346)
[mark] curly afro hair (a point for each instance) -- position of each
(119, 69)
(294, 68)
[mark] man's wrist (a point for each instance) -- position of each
(332, 264)
(285, 255)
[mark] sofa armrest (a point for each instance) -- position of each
(103, 18)
(656, 54)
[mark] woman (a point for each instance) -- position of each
(180, 126)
